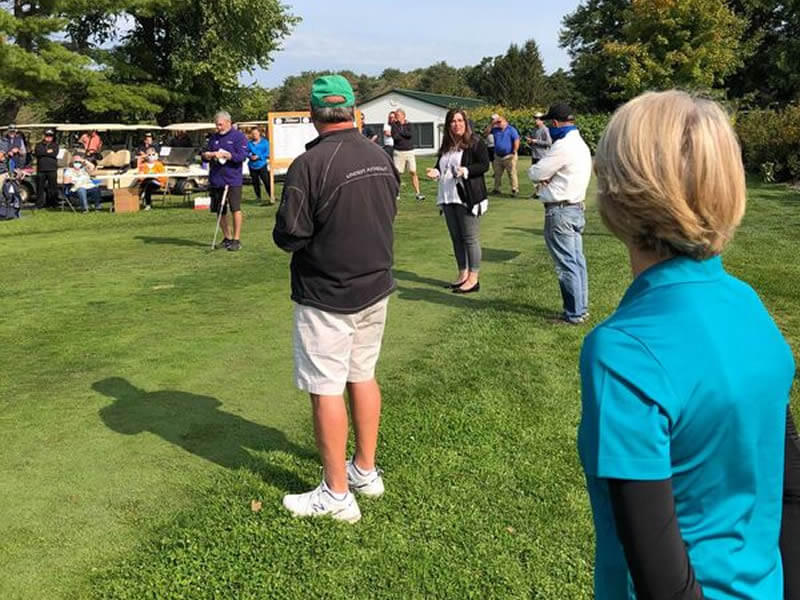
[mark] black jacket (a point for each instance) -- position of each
(476, 159)
(46, 157)
(402, 136)
(336, 215)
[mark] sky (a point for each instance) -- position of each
(380, 34)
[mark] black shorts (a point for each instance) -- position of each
(232, 200)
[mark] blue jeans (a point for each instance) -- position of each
(83, 195)
(563, 227)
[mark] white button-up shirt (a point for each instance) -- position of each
(564, 171)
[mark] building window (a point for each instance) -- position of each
(422, 135)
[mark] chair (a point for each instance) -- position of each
(64, 199)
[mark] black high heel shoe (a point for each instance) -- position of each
(474, 288)
(452, 286)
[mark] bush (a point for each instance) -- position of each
(591, 126)
(771, 142)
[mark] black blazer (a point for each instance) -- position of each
(476, 159)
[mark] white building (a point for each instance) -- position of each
(425, 112)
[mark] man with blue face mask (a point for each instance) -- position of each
(562, 176)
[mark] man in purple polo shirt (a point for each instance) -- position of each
(226, 151)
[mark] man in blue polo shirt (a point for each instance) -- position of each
(226, 151)
(506, 146)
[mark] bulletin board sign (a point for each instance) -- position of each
(288, 134)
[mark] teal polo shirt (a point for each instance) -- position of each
(690, 379)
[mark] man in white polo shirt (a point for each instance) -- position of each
(562, 176)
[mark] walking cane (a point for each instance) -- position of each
(219, 215)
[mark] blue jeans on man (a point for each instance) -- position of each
(563, 229)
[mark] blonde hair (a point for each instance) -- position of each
(670, 178)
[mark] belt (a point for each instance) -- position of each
(564, 203)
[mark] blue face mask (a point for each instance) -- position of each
(556, 133)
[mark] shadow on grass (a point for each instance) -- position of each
(472, 301)
(196, 424)
(497, 255)
(148, 239)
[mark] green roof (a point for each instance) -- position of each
(437, 99)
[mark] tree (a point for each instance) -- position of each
(35, 66)
(769, 74)
(621, 48)
(252, 103)
(170, 59)
(561, 87)
(196, 49)
(441, 78)
(513, 79)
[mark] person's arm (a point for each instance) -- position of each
(263, 149)
(547, 141)
(790, 523)
(207, 153)
(647, 527)
(239, 150)
(405, 131)
(515, 141)
(434, 173)
(480, 159)
(547, 167)
(294, 221)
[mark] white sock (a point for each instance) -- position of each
(359, 470)
(338, 496)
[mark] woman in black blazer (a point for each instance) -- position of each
(463, 159)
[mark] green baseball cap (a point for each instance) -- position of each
(330, 91)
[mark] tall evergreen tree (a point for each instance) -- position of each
(513, 79)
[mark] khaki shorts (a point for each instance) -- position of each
(332, 349)
(403, 158)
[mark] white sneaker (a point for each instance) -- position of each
(369, 484)
(148, 207)
(319, 503)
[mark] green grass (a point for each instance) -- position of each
(151, 400)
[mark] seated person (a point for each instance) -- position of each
(151, 165)
(79, 177)
(92, 144)
(17, 150)
(181, 139)
(141, 151)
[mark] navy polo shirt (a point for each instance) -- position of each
(689, 379)
(504, 140)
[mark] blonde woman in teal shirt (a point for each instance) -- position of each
(685, 387)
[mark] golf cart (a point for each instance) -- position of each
(181, 156)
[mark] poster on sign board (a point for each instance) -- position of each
(288, 134)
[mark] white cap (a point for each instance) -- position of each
(495, 117)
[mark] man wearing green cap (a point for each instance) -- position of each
(336, 216)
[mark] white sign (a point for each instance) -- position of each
(290, 136)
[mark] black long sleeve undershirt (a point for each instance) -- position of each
(647, 526)
(644, 512)
(790, 525)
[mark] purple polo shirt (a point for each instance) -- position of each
(229, 173)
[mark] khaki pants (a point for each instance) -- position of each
(506, 163)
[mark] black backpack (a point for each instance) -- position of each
(10, 199)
